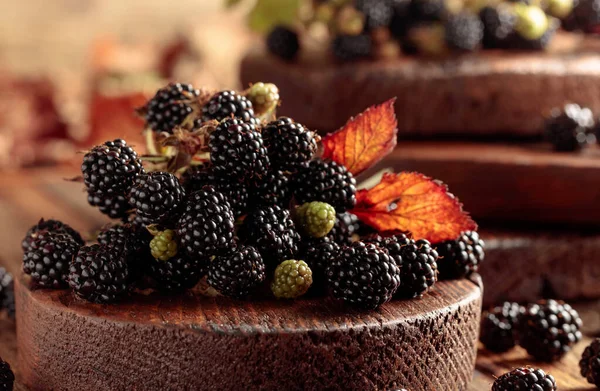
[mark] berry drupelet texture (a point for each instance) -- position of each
(589, 365)
(586, 14)
(7, 293)
(164, 245)
(273, 189)
(264, 97)
(115, 207)
(290, 145)
(549, 329)
(170, 107)
(462, 256)
(352, 47)
(464, 32)
(363, 275)
(419, 265)
(178, 273)
(318, 253)
(498, 327)
(525, 379)
(52, 226)
(292, 279)
(345, 229)
(316, 218)
(133, 241)
(283, 42)
(48, 259)
(7, 377)
(567, 128)
(228, 104)
(237, 274)
(157, 197)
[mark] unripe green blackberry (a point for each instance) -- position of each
(532, 22)
(316, 218)
(292, 279)
(164, 245)
(264, 97)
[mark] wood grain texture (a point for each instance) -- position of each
(194, 342)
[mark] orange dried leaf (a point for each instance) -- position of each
(412, 202)
(364, 140)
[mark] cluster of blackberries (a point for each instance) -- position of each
(571, 128)
(547, 329)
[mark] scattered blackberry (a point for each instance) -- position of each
(548, 329)
(316, 218)
(273, 189)
(178, 273)
(498, 327)
(7, 292)
(352, 47)
(567, 129)
(164, 245)
(283, 43)
(318, 253)
(53, 226)
(47, 262)
(7, 377)
(290, 145)
(428, 10)
(590, 363)
(419, 265)
(345, 228)
(378, 13)
(462, 256)
(237, 274)
(464, 31)
(325, 181)
(115, 207)
(498, 25)
(525, 379)
(133, 241)
(170, 107)
(586, 14)
(99, 274)
(273, 233)
(401, 18)
(292, 279)
(264, 97)
(363, 275)
(228, 104)
(156, 196)
(207, 227)
(237, 150)
(111, 168)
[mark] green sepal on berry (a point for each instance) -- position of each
(164, 245)
(316, 218)
(292, 279)
(264, 97)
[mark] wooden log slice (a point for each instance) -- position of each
(195, 342)
(485, 93)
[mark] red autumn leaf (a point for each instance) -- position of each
(412, 202)
(364, 140)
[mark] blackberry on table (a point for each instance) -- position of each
(518, 42)
(170, 107)
(7, 377)
(567, 128)
(99, 274)
(164, 245)
(548, 329)
(178, 273)
(292, 279)
(589, 364)
(238, 273)
(498, 25)
(7, 292)
(464, 31)
(290, 145)
(352, 47)
(325, 181)
(318, 253)
(115, 206)
(462, 256)
(498, 327)
(344, 230)
(525, 379)
(283, 42)
(378, 13)
(156, 196)
(316, 218)
(272, 189)
(52, 226)
(228, 104)
(48, 259)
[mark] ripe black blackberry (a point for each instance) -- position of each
(318, 253)
(115, 207)
(377, 13)
(283, 42)
(363, 275)
(228, 104)
(401, 18)
(272, 189)
(111, 168)
(567, 128)
(178, 273)
(290, 145)
(170, 107)
(345, 228)
(325, 181)
(498, 327)
(586, 14)
(7, 292)
(131, 240)
(47, 261)
(589, 364)
(7, 377)
(237, 150)
(206, 228)
(525, 379)
(548, 329)
(99, 274)
(238, 273)
(462, 256)
(53, 226)
(428, 10)
(464, 31)
(157, 197)
(352, 47)
(419, 264)
(498, 25)
(273, 233)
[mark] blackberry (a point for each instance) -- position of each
(164, 245)
(498, 327)
(325, 181)
(170, 107)
(548, 329)
(178, 273)
(273, 189)
(419, 265)
(586, 14)
(53, 226)
(131, 240)
(462, 256)
(401, 18)
(47, 262)
(464, 31)
(115, 207)
(498, 25)
(264, 97)
(352, 47)
(318, 253)
(428, 10)
(7, 292)
(273, 233)
(228, 104)
(111, 168)
(238, 273)
(378, 13)
(99, 274)
(567, 129)
(525, 379)
(316, 218)
(290, 145)
(292, 279)
(206, 228)
(345, 228)
(283, 42)
(7, 377)
(363, 275)
(589, 364)
(237, 150)
(157, 196)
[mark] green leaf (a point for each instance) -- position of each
(266, 14)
